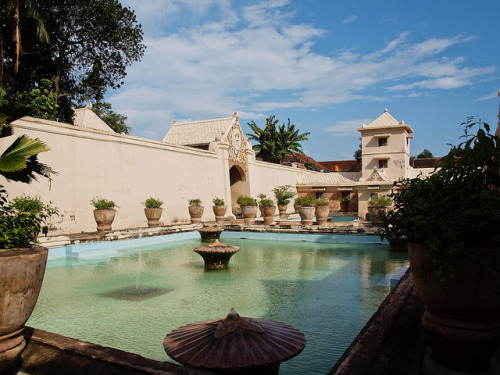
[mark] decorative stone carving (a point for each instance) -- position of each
(237, 144)
(375, 176)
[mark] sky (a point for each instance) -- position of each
(328, 65)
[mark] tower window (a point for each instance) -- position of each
(382, 163)
(382, 141)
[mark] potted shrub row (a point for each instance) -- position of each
(267, 209)
(248, 208)
(309, 207)
(283, 194)
(451, 220)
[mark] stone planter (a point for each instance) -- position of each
(282, 210)
(376, 213)
(21, 277)
(153, 215)
(249, 213)
(268, 214)
(322, 213)
(196, 212)
(104, 219)
(219, 212)
(306, 215)
(462, 315)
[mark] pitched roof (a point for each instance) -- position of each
(329, 179)
(86, 118)
(296, 157)
(385, 120)
(197, 133)
(425, 162)
(344, 165)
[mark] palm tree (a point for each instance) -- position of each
(276, 142)
(19, 161)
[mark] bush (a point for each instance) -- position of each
(380, 201)
(102, 204)
(283, 194)
(21, 220)
(218, 202)
(152, 203)
(322, 202)
(305, 201)
(246, 201)
(266, 202)
(195, 202)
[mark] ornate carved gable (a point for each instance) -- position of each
(375, 176)
(237, 143)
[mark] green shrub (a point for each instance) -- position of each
(218, 202)
(380, 201)
(322, 202)
(102, 204)
(344, 200)
(246, 201)
(266, 202)
(152, 203)
(283, 194)
(305, 201)
(21, 220)
(195, 202)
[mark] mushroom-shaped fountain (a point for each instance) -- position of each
(210, 234)
(235, 345)
(216, 255)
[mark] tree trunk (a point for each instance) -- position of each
(1, 60)
(16, 38)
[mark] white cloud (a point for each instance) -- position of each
(347, 128)
(492, 95)
(350, 19)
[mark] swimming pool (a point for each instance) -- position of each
(130, 294)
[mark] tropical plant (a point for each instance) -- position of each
(266, 202)
(276, 141)
(152, 203)
(321, 202)
(21, 220)
(218, 201)
(102, 204)
(246, 201)
(283, 194)
(308, 201)
(19, 161)
(457, 206)
(195, 202)
(380, 201)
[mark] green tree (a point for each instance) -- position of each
(114, 120)
(275, 141)
(358, 154)
(425, 154)
(42, 100)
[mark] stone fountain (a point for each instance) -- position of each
(216, 255)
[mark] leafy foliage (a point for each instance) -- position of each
(266, 202)
(457, 206)
(102, 204)
(321, 202)
(42, 100)
(195, 202)
(380, 201)
(218, 202)
(344, 200)
(425, 154)
(284, 193)
(275, 141)
(21, 220)
(358, 154)
(308, 201)
(246, 201)
(152, 202)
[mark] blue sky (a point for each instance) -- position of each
(328, 65)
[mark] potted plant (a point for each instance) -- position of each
(219, 209)
(283, 194)
(344, 204)
(322, 211)
(195, 210)
(267, 209)
(22, 268)
(306, 209)
(451, 220)
(377, 208)
(261, 196)
(248, 208)
(153, 211)
(104, 213)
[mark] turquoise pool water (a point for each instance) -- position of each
(131, 297)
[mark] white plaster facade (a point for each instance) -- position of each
(202, 159)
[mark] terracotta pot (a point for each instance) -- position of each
(153, 215)
(295, 208)
(104, 219)
(268, 213)
(196, 212)
(219, 212)
(462, 316)
(21, 277)
(282, 210)
(376, 213)
(249, 213)
(322, 213)
(306, 215)
(398, 244)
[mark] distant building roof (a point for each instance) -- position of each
(86, 118)
(199, 133)
(295, 157)
(425, 162)
(344, 165)
(329, 179)
(385, 120)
